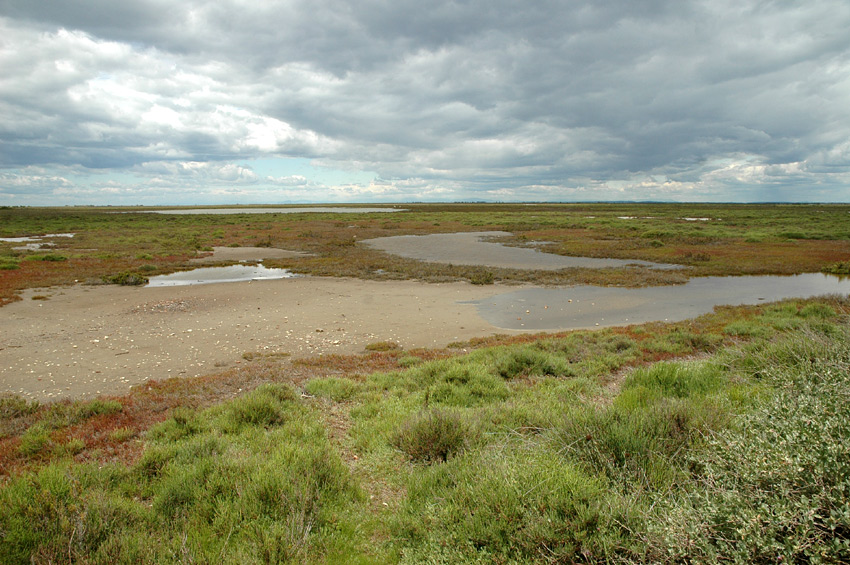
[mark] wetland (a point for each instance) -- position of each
(438, 405)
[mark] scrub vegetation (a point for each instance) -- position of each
(723, 438)
(708, 239)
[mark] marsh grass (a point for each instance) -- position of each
(382, 346)
(656, 443)
(255, 480)
(738, 239)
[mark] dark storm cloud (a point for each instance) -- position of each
(693, 100)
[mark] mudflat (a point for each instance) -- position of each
(81, 341)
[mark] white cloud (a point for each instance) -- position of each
(481, 99)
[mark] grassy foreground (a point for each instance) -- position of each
(723, 438)
(708, 239)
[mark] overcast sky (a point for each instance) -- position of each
(247, 101)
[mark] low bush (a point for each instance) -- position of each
(839, 268)
(46, 257)
(775, 488)
(433, 436)
(507, 506)
(336, 389)
(126, 279)
(14, 406)
(35, 440)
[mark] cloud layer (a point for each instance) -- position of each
(180, 102)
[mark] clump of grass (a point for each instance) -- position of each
(409, 361)
(122, 434)
(482, 278)
(14, 406)
(70, 448)
(839, 268)
(46, 257)
(63, 414)
(336, 389)
(35, 440)
(661, 411)
(8, 263)
(267, 406)
(508, 506)
(512, 362)
(433, 436)
(72, 413)
(126, 279)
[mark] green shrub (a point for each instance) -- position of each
(14, 406)
(46, 257)
(338, 390)
(62, 414)
(511, 362)
(660, 412)
(839, 268)
(507, 506)
(126, 279)
(775, 488)
(817, 310)
(482, 278)
(432, 436)
(266, 406)
(35, 440)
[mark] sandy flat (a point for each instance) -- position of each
(89, 340)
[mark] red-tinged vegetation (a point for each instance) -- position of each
(738, 240)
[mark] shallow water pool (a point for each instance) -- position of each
(209, 275)
(581, 307)
(472, 248)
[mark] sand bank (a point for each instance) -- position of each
(87, 340)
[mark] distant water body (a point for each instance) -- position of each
(472, 248)
(580, 307)
(311, 210)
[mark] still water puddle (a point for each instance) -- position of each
(36, 241)
(472, 248)
(589, 306)
(209, 275)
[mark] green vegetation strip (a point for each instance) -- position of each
(550, 451)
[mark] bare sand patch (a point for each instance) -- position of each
(246, 254)
(89, 340)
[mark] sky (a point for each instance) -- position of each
(105, 102)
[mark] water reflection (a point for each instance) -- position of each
(589, 307)
(208, 275)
